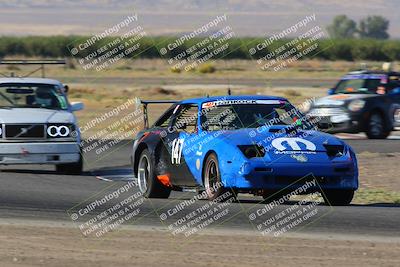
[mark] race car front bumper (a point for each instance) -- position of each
(339, 175)
(39, 153)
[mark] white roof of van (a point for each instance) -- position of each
(29, 80)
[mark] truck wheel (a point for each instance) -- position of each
(148, 183)
(338, 197)
(71, 168)
(376, 127)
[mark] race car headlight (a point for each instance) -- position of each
(59, 130)
(356, 105)
(252, 151)
(334, 150)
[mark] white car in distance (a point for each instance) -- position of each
(38, 125)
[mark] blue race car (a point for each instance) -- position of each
(244, 144)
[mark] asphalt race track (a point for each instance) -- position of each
(37, 192)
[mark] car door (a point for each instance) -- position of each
(177, 140)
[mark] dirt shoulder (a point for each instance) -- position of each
(379, 178)
(379, 170)
(58, 245)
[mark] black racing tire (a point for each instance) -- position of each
(74, 168)
(338, 197)
(148, 183)
(376, 128)
(212, 181)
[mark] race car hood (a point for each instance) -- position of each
(340, 99)
(271, 140)
(35, 115)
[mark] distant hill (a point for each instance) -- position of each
(251, 17)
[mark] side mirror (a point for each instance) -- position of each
(76, 106)
(66, 88)
(331, 91)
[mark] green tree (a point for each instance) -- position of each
(342, 27)
(374, 27)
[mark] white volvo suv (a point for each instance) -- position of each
(37, 124)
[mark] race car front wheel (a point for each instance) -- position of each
(376, 127)
(338, 197)
(148, 183)
(212, 180)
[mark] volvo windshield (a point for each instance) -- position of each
(32, 96)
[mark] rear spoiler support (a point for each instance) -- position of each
(147, 102)
(42, 63)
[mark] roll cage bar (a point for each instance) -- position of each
(147, 102)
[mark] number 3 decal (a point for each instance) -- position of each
(176, 154)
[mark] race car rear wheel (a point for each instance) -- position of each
(212, 180)
(376, 127)
(148, 183)
(338, 197)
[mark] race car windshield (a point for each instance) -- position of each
(358, 86)
(240, 116)
(32, 96)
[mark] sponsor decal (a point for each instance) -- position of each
(242, 102)
(198, 164)
(299, 158)
(282, 144)
(176, 155)
(208, 105)
(364, 76)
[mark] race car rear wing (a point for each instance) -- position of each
(147, 102)
(41, 63)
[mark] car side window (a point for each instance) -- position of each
(165, 119)
(186, 118)
(372, 85)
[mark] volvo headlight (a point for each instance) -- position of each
(356, 105)
(305, 107)
(59, 130)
